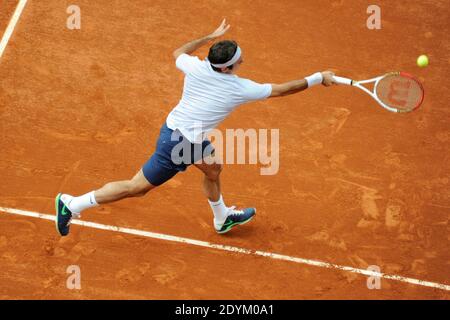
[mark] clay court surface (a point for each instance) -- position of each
(357, 185)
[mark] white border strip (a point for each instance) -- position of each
(232, 249)
(12, 24)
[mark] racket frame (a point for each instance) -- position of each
(359, 84)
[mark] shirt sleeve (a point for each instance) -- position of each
(252, 91)
(187, 63)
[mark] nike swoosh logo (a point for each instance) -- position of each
(63, 211)
(228, 223)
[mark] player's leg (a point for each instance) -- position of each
(149, 177)
(224, 218)
(212, 190)
(113, 191)
(68, 207)
(154, 173)
(211, 180)
(138, 186)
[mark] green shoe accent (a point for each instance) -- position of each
(232, 224)
(64, 212)
(56, 209)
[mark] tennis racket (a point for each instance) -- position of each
(396, 91)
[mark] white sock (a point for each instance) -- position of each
(78, 204)
(220, 211)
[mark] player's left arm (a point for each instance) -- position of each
(190, 47)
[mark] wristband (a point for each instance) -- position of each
(314, 79)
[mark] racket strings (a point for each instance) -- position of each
(400, 91)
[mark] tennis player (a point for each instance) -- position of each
(212, 90)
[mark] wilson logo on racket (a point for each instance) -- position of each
(399, 89)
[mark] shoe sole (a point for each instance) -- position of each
(58, 197)
(237, 224)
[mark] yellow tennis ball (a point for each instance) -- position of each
(422, 61)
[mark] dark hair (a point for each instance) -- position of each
(222, 52)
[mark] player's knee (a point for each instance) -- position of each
(214, 172)
(137, 190)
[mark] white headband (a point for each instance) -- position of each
(233, 60)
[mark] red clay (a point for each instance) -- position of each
(6, 10)
(357, 185)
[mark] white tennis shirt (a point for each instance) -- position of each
(209, 97)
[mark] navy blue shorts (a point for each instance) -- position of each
(174, 153)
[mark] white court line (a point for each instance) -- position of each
(12, 25)
(205, 244)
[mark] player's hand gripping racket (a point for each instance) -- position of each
(395, 91)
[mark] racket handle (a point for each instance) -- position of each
(341, 80)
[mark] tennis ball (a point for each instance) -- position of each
(422, 61)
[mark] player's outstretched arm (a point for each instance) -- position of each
(194, 45)
(292, 87)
